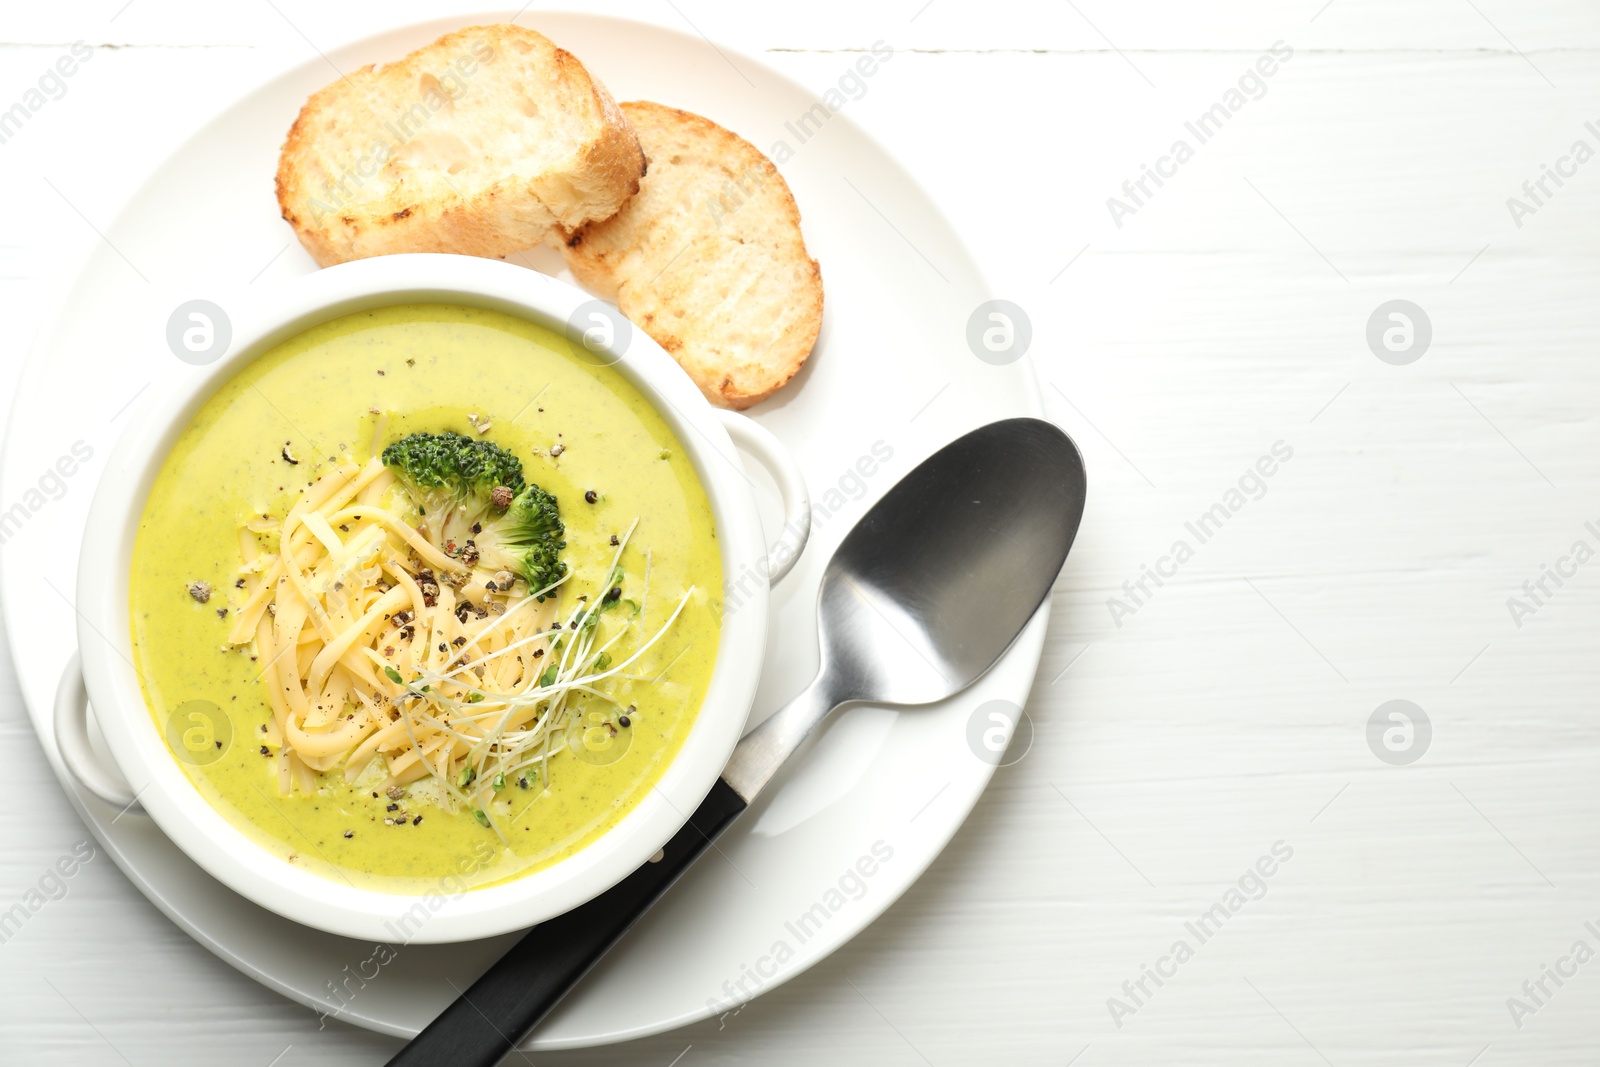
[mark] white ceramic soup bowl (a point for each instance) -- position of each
(147, 776)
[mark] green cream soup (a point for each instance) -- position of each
(338, 394)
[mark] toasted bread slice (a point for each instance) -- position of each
(488, 141)
(708, 258)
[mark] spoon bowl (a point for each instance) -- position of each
(930, 588)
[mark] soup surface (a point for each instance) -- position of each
(329, 400)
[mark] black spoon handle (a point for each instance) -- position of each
(498, 1011)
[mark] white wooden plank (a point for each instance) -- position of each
(1090, 26)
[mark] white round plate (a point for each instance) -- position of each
(891, 381)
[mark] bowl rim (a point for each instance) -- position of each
(445, 912)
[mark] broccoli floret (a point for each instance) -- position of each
(451, 478)
(526, 540)
(477, 507)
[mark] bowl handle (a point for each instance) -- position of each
(72, 738)
(771, 453)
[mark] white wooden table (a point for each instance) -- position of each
(1182, 735)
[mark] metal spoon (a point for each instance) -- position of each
(924, 595)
